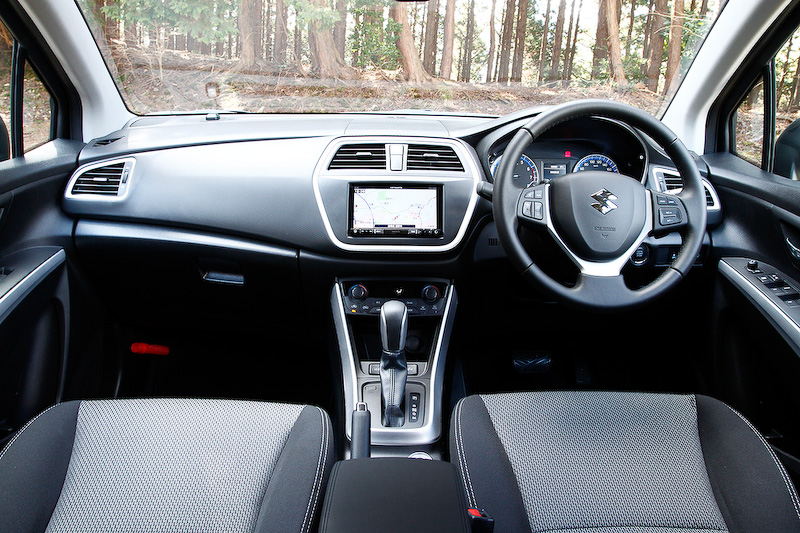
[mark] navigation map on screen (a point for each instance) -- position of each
(407, 210)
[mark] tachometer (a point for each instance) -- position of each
(598, 162)
(525, 172)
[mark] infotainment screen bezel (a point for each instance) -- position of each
(433, 233)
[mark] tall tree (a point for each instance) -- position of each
(656, 57)
(519, 44)
(557, 35)
(568, 44)
(631, 20)
(325, 58)
(600, 51)
(574, 48)
(466, 63)
(281, 31)
(412, 64)
(492, 44)
(543, 48)
(449, 39)
(249, 32)
(505, 42)
(614, 8)
(675, 43)
(431, 34)
(340, 27)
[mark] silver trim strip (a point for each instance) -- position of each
(350, 381)
(471, 170)
(11, 299)
(119, 230)
(785, 325)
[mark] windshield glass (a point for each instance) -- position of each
(488, 57)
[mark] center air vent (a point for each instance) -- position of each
(433, 157)
(106, 180)
(359, 156)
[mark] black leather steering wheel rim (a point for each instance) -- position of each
(598, 292)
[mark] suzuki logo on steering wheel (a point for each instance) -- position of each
(604, 202)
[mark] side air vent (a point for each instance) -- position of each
(672, 183)
(433, 157)
(359, 156)
(105, 179)
(106, 142)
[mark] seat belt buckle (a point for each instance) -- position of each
(481, 522)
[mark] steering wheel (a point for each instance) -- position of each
(599, 218)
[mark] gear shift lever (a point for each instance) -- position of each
(394, 326)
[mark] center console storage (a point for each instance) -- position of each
(399, 494)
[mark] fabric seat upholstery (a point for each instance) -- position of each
(167, 465)
(589, 461)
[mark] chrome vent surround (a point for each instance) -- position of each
(108, 179)
(433, 157)
(672, 183)
(371, 156)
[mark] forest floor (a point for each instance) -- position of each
(181, 81)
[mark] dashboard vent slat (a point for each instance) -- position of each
(359, 156)
(104, 180)
(433, 157)
(106, 142)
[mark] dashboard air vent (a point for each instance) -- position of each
(433, 157)
(359, 156)
(673, 183)
(105, 180)
(106, 142)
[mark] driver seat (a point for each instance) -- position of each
(581, 461)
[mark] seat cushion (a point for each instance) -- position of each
(585, 460)
(167, 465)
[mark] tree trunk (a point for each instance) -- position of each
(614, 8)
(675, 43)
(568, 45)
(704, 8)
(492, 44)
(519, 44)
(631, 20)
(656, 57)
(412, 64)
(340, 27)
(449, 39)
(431, 34)
(505, 42)
(648, 30)
(466, 64)
(281, 31)
(557, 35)
(574, 48)
(784, 72)
(543, 48)
(297, 44)
(248, 32)
(600, 41)
(325, 58)
(795, 95)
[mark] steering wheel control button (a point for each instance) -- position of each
(527, 209)
(538, 210)
(669, 216)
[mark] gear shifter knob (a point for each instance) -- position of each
(394, 327)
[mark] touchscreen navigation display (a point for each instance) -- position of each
(395, 211)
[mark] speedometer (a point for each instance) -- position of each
(598, 162)
(525, 172)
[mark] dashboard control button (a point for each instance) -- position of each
(527, 209)
(641, 255)
(752, 266)
(358, 292)
(430, 293)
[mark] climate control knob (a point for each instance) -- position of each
(430, 294)
(358, 292)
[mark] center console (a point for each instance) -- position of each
(430, 304)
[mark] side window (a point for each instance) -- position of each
(749, 119)
(6, 54)
(26, 107)
(37, 113)
(787, 116)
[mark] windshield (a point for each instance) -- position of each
(487, 57)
